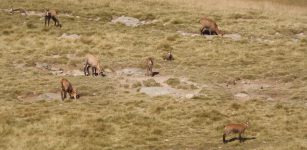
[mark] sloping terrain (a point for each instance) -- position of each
(256, 72)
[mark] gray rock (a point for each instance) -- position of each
(42, 65)
(48, 96)
(157, 91)
(187, 33)
(190, 96)
(241, 95)
(75, 73)
(130, 21)
(69, 36)
(235, 37)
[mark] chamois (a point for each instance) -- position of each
(92, 61)
(52, 14)
(149, 65)
(20, 10)
(209, 25)
(67, 87)
(169, 56)
(234, 128)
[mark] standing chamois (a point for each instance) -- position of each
(149, 65)
(93, 62)
(169, 56)
(52, 14)
(210, 26)
(234, 128)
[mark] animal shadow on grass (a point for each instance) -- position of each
(155, 73)
(243, 139)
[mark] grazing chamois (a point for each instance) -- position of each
(52, 14)
(210, 26)
(234, 128)
(149, 65)
(19, 10)
(93, 62)
(67, 87)
(169, 56)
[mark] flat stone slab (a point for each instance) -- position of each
(242, 95)
(49, 96)
(187, 33)
(158, 91)
(127, 21)
(131, 21)
(69, 36)
(235, 37)
(75, 73)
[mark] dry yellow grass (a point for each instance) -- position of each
(110, 116)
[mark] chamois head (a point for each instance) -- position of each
(74, 94)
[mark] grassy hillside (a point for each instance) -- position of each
(269, 59)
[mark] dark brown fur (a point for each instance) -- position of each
(66, 87)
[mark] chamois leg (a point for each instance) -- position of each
(62, 95)
(224, 139)
(96, 73)
(151, 73)
(240, 138)
(54, 20)
(147, 72)
(88, 70)
(46, 18)
(85, 70)
(93, 71)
